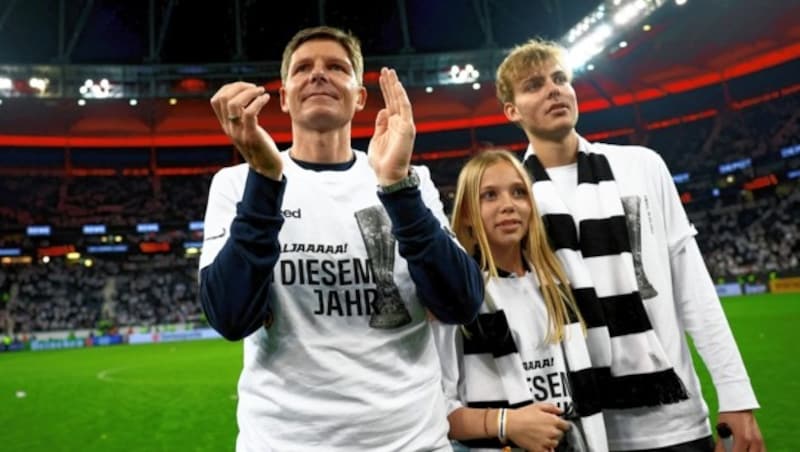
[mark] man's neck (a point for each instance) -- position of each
(321, 147)
(558, 152)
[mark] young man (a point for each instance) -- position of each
(326, 260)
(614, 216)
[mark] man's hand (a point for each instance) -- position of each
(746, 434)
(537, 427)
(237, 106)
(391, 145)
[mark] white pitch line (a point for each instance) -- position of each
(104, 375)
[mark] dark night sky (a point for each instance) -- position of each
(117, 31)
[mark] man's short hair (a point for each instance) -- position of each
(534, 53)
(346, 39)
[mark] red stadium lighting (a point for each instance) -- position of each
(371, 77)
(761, 182)
(61, 250)
(23, 87)
(154, 247)
(273, 85)
(192, 85)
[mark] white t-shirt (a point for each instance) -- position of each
(543, 363)
(565, 179)
(686, 302)
(319, 377)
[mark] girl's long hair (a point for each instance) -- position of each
(536, 250)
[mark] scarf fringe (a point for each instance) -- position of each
(643, 390)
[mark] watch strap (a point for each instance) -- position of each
(412, 180)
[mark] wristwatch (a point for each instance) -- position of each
(412, 180)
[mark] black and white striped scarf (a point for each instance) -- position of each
(489, 338)
(628, 360)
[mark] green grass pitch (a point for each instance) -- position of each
(182, 396)
(763, 326)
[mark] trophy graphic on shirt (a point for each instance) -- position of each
(389, 311)
(633, 218)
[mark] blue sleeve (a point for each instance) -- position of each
(448, 280)
(234, 287)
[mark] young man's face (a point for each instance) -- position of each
(321, 91)
(544, 102)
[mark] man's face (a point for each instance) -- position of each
(321, 91)
(544, 102)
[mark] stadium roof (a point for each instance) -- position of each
(112, 31)
(687, 47)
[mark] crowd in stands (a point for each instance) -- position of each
(753, 236)
(756, 232)
(138, 290)
(114, 200)
(753, 132)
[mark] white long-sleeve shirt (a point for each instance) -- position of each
(686, 302)
(318, 375)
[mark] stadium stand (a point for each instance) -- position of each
(741, 232)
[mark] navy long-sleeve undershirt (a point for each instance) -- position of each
(234, 287)
(449, 282)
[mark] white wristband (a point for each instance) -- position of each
(502, 424)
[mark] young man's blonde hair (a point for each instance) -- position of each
(347, 40)
(533, 54)
(536, 250)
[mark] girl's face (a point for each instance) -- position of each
(505, 206)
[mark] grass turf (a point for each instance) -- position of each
(182, 396)
(159, 397)
(764, 326)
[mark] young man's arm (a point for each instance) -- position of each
(236, 273)
(704, 319)
(448, 280)
(701, 314)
